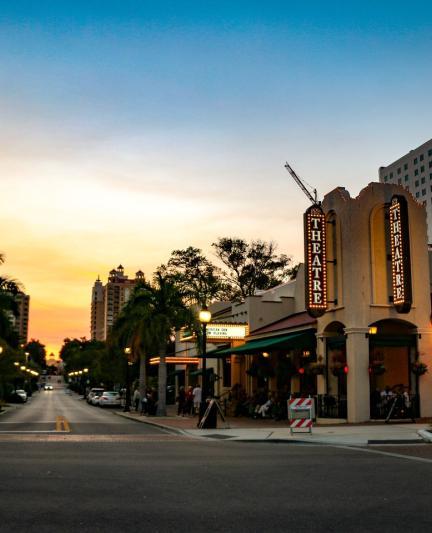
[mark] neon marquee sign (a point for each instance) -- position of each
(400, 254)
(315, 261)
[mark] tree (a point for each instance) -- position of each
(132, 329)
(37, 352)
(9, 288)
(168, 314)
(251, 266)
(199, 281)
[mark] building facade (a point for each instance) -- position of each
(373, 339)
(109, 299)
(413, 171)
(21, 321)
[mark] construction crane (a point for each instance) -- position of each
(300, 183)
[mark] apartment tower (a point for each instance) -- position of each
(109, 299)
(413, 171)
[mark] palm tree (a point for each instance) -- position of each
(132, 329)
(168, 314)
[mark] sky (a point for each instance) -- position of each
(130, 128)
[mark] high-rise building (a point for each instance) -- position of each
(414, 172)
(21, 321)
(109, 299)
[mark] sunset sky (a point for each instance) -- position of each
(131, 128)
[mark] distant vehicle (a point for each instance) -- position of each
(108, 399)
(48, 387)
(93, 392)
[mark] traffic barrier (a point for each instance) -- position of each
(300, 414)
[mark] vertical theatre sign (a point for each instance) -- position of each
(315, 261)
(400, 254)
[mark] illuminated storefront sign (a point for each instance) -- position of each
(316, 261)
(400, 254)
(220, 333)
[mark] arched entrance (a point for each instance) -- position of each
(334, 402)
(392, 352)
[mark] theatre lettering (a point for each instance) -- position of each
(315, 260)
(400, 254)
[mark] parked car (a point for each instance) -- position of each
(93, 392)
(95, 399)
(18, 396)
(109, 399)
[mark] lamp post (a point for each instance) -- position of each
(204, 318)
(126, 409)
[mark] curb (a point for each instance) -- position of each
(151, 423)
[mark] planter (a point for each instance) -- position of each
(418, 368)
(377, 370)
(317, 370)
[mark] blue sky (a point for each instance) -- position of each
(184, 114)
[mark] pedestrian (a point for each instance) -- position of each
(181, 401)
(189, 401)
(136, 399)
(197, 393)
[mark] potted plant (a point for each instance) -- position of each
(419, 368)
(317, 368)
(377, 367)
(338, 365)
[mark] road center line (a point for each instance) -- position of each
(389, 454)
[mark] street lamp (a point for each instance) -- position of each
(204, 318)
(126, 409)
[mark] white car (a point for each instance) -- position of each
(108, 399)
(21, 394)
(94, 392)
(48, 387)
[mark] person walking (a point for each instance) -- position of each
(189, 401)
(181, 400)
(136, 399)
(197, 392)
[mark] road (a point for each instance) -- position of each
(57, 412)
(147, 480)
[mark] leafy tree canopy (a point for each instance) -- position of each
(252, 266)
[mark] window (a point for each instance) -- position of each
(385, 179)
(399, 181)
(406, 177)
(430, 152)
(422, 168)
(417, 194)
(415, 161)
(423, 180)
(399, 170)
(391, 175)
(417, 183)
(423, 192)
(406, 165)
(421, 157)
(416, 172)
(430, 164)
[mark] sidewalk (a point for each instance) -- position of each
(247, 429)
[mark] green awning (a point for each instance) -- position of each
(304, 339)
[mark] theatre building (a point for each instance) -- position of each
(372, 300)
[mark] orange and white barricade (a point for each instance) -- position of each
(300, 414)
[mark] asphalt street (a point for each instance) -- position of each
(56, 411)
(148, 480)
